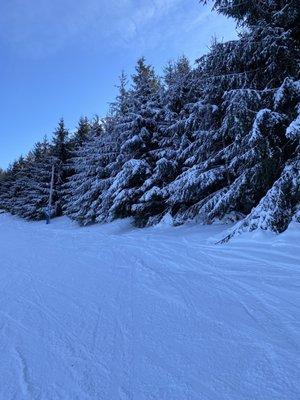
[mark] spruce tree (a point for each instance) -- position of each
(81, 133)
(33, 183)
(61, 154)
(236, 143)
(137, 137)
(8, 189)
(91, 162)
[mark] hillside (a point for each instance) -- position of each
(113, 312)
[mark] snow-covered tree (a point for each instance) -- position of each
(137, 129)
(90, 179)
(235, 144)
(93, 165)
(61, 154)
(8, 188)
(81, 133)
(33, 183)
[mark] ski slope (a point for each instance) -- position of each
(116, 313)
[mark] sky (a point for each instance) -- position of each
(62, 58)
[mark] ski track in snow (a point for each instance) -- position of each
(115, 313)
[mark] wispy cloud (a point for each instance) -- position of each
(39, 28)
(44, 26)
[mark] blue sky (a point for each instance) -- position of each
(63, 57)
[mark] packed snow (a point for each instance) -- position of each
(112, 312)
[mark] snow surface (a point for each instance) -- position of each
(115, 313)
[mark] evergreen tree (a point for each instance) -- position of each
(92, 163)
(81, 133)
(33, 183)
(8, 188)
(90, 179)
(61, 154)
(236, 144)
(171, 112)
(137, 136)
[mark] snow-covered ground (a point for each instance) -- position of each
(116, 313)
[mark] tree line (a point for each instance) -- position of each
(216, 141)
